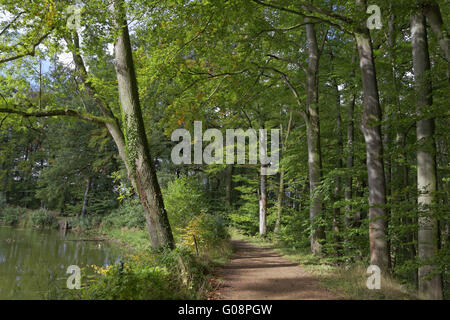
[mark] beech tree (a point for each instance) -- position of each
(430, 284)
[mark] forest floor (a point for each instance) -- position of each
(259, 273)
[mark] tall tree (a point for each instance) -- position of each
(348, 194)
(139, 160)
(430, 283)
(263, 201)
(313, 136)
(282, 173)
(371, 128)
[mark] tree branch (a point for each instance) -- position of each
(10, 23)
(296, 95)
(279, 29)
(288, 61)
(55, 113)
(31, 52)
(343, 23)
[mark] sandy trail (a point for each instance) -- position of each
(259, 273)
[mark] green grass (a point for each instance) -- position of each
(346, 282)
(134, 239)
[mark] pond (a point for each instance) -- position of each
(34, 262)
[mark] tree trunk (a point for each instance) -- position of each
(280, 202)
(138, 157)
(349, 162)
(281, 187)
(348, 194)
(263, 202)
(426, 164)
(229, 185)
(85, 200)
(339, 164)
(400, 140)
(432, 12)
(313, 136)
(387, 138)
(371, 128)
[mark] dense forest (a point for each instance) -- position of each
(92, 94)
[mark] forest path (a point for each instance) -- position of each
(259, 273)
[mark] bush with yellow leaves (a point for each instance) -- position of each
(203, 233)
(139, 277)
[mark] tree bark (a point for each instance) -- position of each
(400, 140)
(371, 128)
(313, 137)
(348, 194)
(138, 156)
(339, 164)
(263, 202)
(349, 162)
(280, 202)
(433, 15)
(85, 199)
(281, 186)
(426, 164)
(387, 138)
(229, 185)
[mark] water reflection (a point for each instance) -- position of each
(33, 260)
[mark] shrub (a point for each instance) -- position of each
(190, 271)
(184, 200)
(86, 222)
(187, 208)
(248, 223)
(204, 231)
(130, 214)
(2, 201)
(11, 215)
(169, 275)
(295, 229)
(43, 219)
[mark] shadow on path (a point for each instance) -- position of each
(256, 273)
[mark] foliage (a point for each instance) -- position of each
(184, 200)
(2, 201)
(130, 214)
(42, 218)
(85, 223)
(204, 233)
(149, 276)
(137, 278)
(294, 232)
(12, 215)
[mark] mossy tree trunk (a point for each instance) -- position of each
(138, 157)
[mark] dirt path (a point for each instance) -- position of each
(259, 273)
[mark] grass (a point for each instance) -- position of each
(346, 282)
(134, 239)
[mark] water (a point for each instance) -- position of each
(34, 262)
